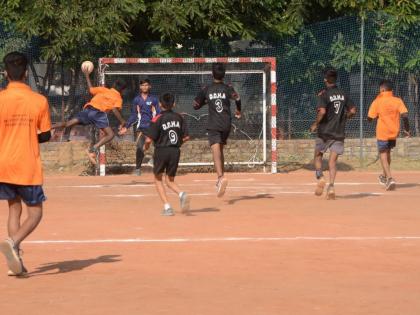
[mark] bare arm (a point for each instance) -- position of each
(88, 81)
(118, 115)
(147, 144)
(319, 116)
(406, 124)
(351, 112)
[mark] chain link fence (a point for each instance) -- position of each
(364, 51)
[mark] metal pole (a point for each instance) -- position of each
(362, 51)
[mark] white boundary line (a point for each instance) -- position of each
(272, 185)
(229, 239)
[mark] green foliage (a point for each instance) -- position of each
(72, 29)
(179, 20)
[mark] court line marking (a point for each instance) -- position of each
(228, 239)
(262, 184)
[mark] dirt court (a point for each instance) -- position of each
(269, 247)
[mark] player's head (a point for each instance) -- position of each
(386, 85)
(119, 85)
(145, 86)
(167, 101)
(15, 65)
(218, 71)
(330, 76)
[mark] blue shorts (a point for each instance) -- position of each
(93, 116)
(384, 146)
(31, 195)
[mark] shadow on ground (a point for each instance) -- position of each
(245, 198)
(54, 268)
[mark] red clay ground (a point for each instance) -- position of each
(239, 255)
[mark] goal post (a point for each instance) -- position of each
(253, 77)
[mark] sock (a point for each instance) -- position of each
(318, 174)
(180, 194)
(167, 206)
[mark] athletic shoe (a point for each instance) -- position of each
(184, 200)
(91, 156)
(320, 186)
(168, 212)
(390, 184)
(24, 272)
(330, 192)
(221, 186)
(136, 172)
(382, 179)
(11, 253)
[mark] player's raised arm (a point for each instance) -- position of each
(200, 99)
(88, 81)
(233, 95)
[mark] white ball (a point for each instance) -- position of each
(87, 66)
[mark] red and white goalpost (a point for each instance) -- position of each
(241, 67)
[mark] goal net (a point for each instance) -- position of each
(252, 141)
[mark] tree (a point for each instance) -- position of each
(71, 31)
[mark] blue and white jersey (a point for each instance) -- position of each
(143, 110)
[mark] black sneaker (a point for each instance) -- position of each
(390, 184)
(382, 179)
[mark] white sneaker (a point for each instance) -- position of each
(8, 248)
(184, 200)
(221, 186)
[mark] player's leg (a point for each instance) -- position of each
(160, 164)
(320, 147)
(29, 225)
(7, 247)
(385, 148)
(139, 152)
(336, 149)
(332, 167)
(217, 158)
(108, 135)
(171, 170)
(15, 213)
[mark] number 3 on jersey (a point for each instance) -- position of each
(337, 106)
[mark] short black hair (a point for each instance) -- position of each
(119, 85)
(330, 75)
(15, 63)
(145, 81)
(218, 71)
(386, 85)
(167, 100)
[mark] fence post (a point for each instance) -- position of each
(362, 51)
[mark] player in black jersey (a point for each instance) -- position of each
(218, 96)
(168, 132)
(334, 108)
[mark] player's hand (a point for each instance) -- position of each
(122, 130)
(313, 128)
(238, 114)
(406, 134)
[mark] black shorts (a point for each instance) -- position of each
(216, 136)
(166, 159)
